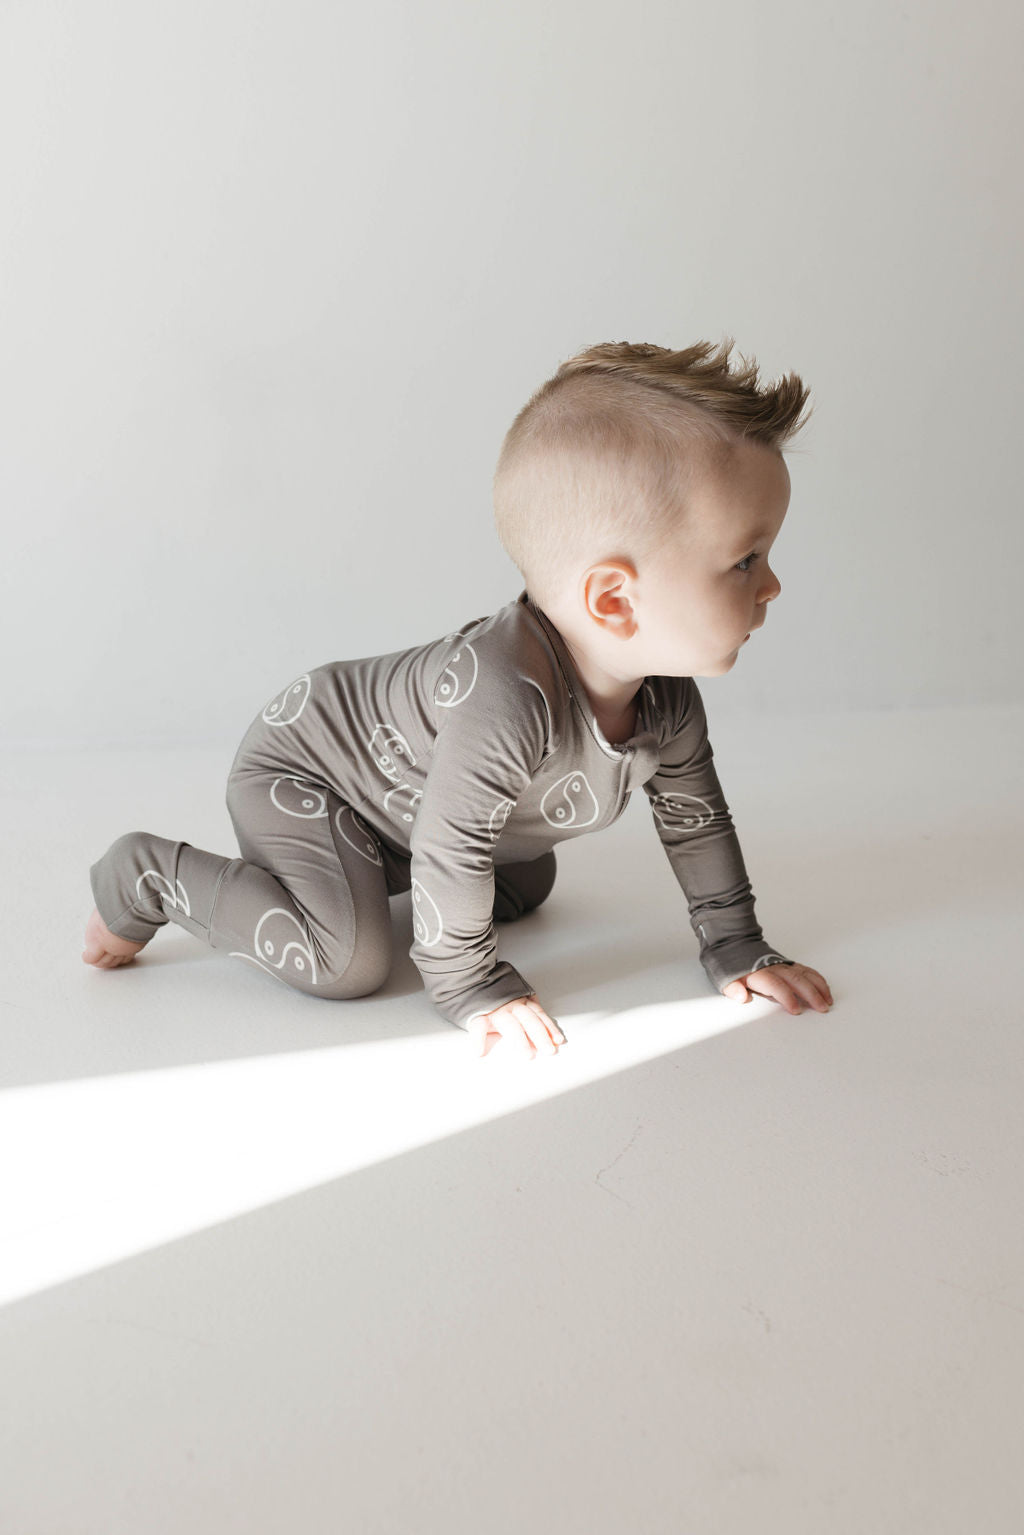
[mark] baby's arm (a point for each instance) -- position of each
(696, 830)
(486, 751)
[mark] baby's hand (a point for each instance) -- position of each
(789, 985)
(520, 1022)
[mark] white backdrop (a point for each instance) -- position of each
(277, 276)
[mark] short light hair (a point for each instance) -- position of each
(599, 461)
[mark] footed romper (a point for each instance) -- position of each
(450, 769)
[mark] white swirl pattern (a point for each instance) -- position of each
(499, 815)
(273, 940)
(388, 745)
(674, 813)
(403, 794)
(178, 899)
(310, 803)
(286, 707)
(426, 919)
(358, 837)
(458, 679)
(570, 802)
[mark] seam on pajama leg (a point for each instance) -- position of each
(133, 910)
(216, 892)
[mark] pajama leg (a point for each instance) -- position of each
(307, 902)
(519, 887)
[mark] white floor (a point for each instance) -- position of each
(269, 1263)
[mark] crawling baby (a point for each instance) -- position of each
(638, 492)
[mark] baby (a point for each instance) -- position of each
(638, 492)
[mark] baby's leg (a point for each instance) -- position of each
(519, 887)
(307, 902)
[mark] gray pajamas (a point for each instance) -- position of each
(450, 769)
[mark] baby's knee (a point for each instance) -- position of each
(542, 884)
(365, 972)
(522, 887)
(347, 988)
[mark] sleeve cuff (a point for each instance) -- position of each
(506, 986)
(732, 961)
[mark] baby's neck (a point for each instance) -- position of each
(612, 699)
(615, 731)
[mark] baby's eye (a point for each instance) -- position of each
(745, 561)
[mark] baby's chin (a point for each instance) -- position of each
(716, 667)
(703, 665)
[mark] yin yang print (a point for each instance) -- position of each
(294, 796)
(570, 802)
(458, 679)
(355, 833)
(176, 898)
(288, 705)
(681, 812)
(390, 751)
(498, 816)
(426, 919)
(281, 947)
(403, 802)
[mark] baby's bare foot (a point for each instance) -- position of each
(104, 948)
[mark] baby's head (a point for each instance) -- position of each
(630, 491)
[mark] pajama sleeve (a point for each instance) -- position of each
(697, 833)
(487, 749)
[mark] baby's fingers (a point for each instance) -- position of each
(793, 988)
(531, 1030)
(810, 987)
(820, 985)
(523, 1022)
(550, 1032)
(775, 989)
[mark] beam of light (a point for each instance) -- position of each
(99, 1170)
